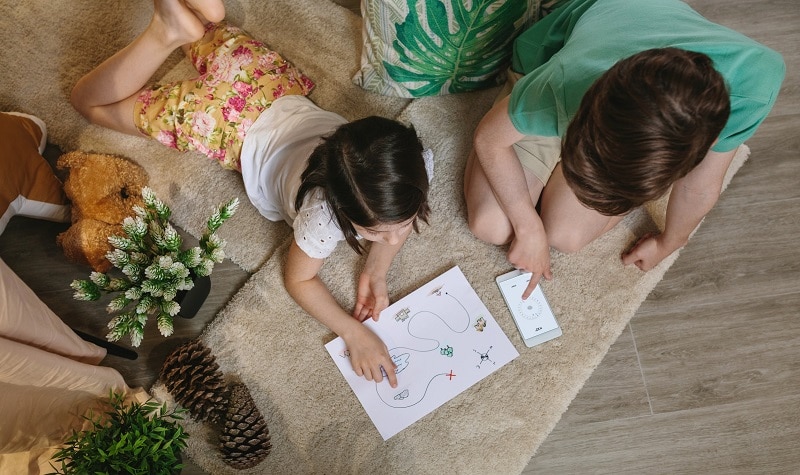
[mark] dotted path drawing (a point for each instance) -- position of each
(457, 322)
(442, 339)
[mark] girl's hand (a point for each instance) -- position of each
(370, 357)
(372, 297)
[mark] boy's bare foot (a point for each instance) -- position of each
(178, 22)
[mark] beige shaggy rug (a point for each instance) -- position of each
(262, 337)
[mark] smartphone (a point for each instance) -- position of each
(533, 316)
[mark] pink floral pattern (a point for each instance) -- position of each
(239, 78)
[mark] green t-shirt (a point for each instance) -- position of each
(565, 52)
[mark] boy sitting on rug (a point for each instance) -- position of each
(615, 101)
(330, 180)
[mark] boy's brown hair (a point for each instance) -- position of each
(645, 123)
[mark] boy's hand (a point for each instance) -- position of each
(372, 297)
(647, 252)
(369, 355)
(530, 255)
(692, 197)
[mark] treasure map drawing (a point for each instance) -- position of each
(442, 339)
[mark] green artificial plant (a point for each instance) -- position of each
(134, 439)
(154, 268)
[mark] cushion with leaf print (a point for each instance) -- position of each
(415, 48)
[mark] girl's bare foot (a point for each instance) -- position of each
(178, 22)
(207, 10)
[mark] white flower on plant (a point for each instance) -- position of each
(99, 278)
(155, 229)
(153, 273)
(132, 271)
(192, 257)
(133, 293)
(171, 308)
(148, 195)
(217, 255)
(165, 325)
(120, 242)
(82, 295)
(117, 284)
(144, 307)
(136, 337)
(170, 234)
(117, 304)
(215, 241)
(117, 258)
(139, 258)
(154, 267)
(185, 284)
(154, 288)
(178, 269)
(169, 294)
(165, 262)
(134, 227)
(205, 267)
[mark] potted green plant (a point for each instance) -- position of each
(133, 439)
(152, 268)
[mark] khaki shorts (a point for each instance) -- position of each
(539, 155)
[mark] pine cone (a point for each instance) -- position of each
(244, 440)
(192, 376)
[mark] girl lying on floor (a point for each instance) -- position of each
(329, 179)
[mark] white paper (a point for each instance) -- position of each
(442, 339)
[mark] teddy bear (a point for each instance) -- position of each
(103, 190)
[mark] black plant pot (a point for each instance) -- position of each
(191, 300)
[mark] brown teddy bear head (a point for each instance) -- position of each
(103, 190)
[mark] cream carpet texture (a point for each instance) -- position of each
(262, 337)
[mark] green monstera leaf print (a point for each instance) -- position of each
(455, 46)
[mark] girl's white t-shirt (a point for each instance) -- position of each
(274, 154)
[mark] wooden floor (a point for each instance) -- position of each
(706, 378)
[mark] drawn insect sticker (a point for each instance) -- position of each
(402, 314)
(484, 357)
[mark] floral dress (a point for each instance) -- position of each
(239, 78)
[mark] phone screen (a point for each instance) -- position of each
(532, 315)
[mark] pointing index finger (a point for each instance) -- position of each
(531, 285)
(391, 374)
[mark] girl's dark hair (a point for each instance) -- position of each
(371, 172)
(644, 124)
